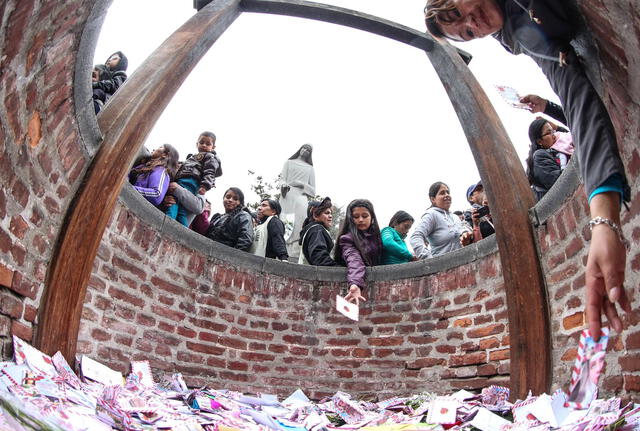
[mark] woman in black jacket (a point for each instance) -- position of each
(543, 164)
(314, 237)
(269, 234)
(233, 228)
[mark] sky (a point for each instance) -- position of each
(380, 122)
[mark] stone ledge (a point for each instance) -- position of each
(162, 224)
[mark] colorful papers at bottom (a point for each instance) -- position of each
(36, 396)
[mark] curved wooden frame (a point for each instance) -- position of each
(129, 117)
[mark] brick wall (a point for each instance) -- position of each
(41, 155)
(152, 297)
(252, 327)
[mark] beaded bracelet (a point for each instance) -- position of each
(601, 220)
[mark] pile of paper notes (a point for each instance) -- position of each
(39, 392)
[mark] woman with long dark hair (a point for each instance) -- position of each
(315, 242)
(359, 245)
(269, 234)
(394, 248)
(544, 164)
(233, 228)
(439, 230)
(152, 177)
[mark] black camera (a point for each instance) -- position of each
(483, 211)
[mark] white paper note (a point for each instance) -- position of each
(348, 309)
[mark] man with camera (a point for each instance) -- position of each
(478, 216)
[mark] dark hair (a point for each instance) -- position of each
(400, 217)
(349, 226)
(122, 64)
(238, 192)
(315, 208)
(170, 163)
(274, 205)
(172, 160)
(296, 155)
(435, 187)
(209, 135)
(458, 213)
(535, 134)
(434, 16)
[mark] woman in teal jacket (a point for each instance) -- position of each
(394, 249)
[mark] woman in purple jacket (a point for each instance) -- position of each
(152, 177)
(359, 246)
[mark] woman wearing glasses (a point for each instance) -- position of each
(546, 158)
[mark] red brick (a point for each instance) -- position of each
(489, 343)
(633, 341)
(24, 287)
(468, 359)
(630, 362)
(126, 297)
(204, 348)
(442, 348)
(129, 267)
(10, 305)
(176, 316)
(186, 332)
(361, 353)
(342, 342)
(487, 370)
(30, 313)
(573, 321)
(496, 328)
(499, 355)
(461, 299)
(470, 309)
(482, 319)
(238, 366)
(631, 383)
(21, 330)
(575, 246)
(492, 304)
(100, 335)
(394, 318)
(257, 357)
(18, 226)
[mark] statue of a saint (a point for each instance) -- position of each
(297, 185)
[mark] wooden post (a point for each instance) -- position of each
(125, 122)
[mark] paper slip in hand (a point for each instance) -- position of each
(348, 309)
(511, 96)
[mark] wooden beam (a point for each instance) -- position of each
(510, 198)
(125, 122)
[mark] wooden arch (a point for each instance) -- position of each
(129, 117)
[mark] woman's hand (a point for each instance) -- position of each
(355, 295)
(605, 267)
(466, 238)
(535, 102)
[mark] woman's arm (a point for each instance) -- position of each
(390, 246)
(158, 184)
(419, 237)
(317, 251)
(244, 231)
(545, 169)
(356, 268)
(275, 230)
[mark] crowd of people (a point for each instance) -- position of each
(542, 30)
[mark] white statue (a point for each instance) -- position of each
(297, 185)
